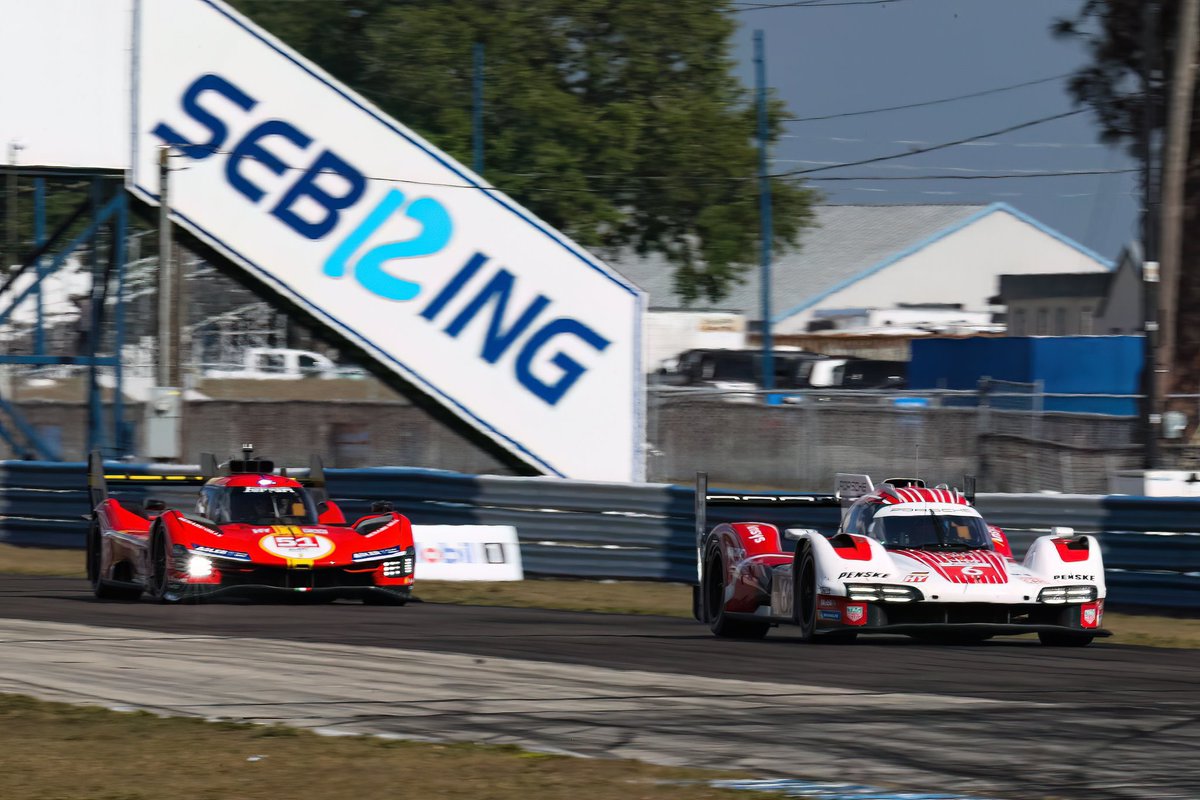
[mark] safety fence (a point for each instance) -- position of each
(580, 529)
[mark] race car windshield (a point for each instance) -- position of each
(267, 505)
(931, 532)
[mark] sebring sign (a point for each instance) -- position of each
(389, 241)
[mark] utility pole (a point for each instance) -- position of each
(1151, 405)
(12, 243)
(1175, 166)
(477, 110)
(768, 231)
(168, 359)
(164, 407)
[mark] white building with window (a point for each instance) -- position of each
(888, 257)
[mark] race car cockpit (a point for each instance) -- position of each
(257, 505)
(930, 531)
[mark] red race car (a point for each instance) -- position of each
(252, 532)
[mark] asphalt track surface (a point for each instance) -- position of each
(1008, 718)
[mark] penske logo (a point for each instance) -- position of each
(299, 548)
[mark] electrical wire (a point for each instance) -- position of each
(810, 4)
(943, 146)
(923, 104)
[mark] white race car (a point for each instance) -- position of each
(906, 559)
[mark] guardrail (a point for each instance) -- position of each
(580, 529)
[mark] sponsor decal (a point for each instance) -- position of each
(1075, 577)
(253, 489)
(1031, 579)
(916, 577)
(462, 553)
(266, 482)
(204, 528)
(973, 567)
(305, 546)
(312, 530)
(217, 552)
(313, 207)
(369, 555)
(261, 530)
(845, 575)
(755, 533)
(826, 602)
(1089, 616)
(855, 613)
(833, 615)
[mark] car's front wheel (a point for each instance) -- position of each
(804, 591)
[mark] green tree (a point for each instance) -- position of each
(1111, 84)
(617, 121)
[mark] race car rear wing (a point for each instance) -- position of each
(761, 500)
(100, 479)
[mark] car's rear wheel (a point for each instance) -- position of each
(804, 591)
(720, 623)
(103, 589)
(1056, 639)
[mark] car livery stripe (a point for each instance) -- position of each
(988, 567)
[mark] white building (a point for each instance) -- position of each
(882, 257)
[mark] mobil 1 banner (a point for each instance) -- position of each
(467, 553)
(385, 239)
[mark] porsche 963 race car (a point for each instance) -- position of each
(252, 531)
(906, 559)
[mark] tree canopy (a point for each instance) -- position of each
(619, 122)
(1116, 35)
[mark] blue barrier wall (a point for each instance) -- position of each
(641, 531)
(1066, 365)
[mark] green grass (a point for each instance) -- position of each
(52, 751)
(610, 597)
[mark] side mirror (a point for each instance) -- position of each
(1062, 531)
(154, 504)
(322, 507)
(382, 506)
(796, 534)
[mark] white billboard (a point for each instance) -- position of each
(387, 240)
(467, 553)
(66, 83)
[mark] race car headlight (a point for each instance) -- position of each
(199, 567)
(876, 592)
(397, 568)
(1067, 594)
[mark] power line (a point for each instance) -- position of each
(983, 93)
(943, 146)
(995, 176)
(810, 4)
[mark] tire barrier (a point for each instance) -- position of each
(622, 531)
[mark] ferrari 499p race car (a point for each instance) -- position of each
(251, 532)
(906, 559)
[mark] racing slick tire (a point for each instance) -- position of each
(159, 582)
(804, 591)
(102, 589)
(1055, 639)
(714, 598)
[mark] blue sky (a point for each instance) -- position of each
(846, 58)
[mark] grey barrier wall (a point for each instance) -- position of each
(1010, 446)
(579, 529)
